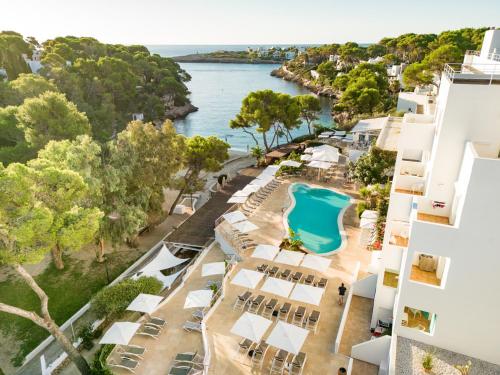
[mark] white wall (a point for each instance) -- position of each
(365, 287)
(373, 351)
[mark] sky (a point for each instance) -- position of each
(242, 21)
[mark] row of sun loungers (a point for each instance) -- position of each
(259, 197)
(188, 363)
(295, 277)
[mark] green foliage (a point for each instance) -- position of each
(99, 364)
(30, 86)
(12, 46)
(293, 241)
(310, 109)
(464, 369)
(50, 117)
(428, 361)
(86, 333)
(112, 301)
(376, 50)
(374, 167)
(417, 74)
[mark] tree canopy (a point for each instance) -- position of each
(374, 167)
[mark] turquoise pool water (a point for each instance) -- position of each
(315, 217)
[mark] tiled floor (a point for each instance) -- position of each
(424, 276)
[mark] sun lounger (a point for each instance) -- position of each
(259, 353)
(269, 308)
(279, 360)
(184, 370)
(255, 303)
(242, 300)
(284, 311)
(285, 274)
(245, 345)
(309, 280)
(188, 357)
(151, 331)
(322, 283)
(155, 321)
(198, 314)
(192, 326)
(124, 363)
(273, 271)
(297, 364)
(297, 276)
(313, 321)
(262, 268)
(299, 316)
(131, 350)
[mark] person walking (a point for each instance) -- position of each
(342, 290)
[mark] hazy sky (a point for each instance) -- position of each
(242, 21)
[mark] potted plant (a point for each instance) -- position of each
(428, 362)
(464, 369)
(292, 242)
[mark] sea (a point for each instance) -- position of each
(218, 90)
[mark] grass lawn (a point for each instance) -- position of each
(68, 291)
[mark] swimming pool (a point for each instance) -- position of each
(316, 216)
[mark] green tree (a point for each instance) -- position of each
(30, 86)
(25, 237)
(374, 167)
(310, 108)
(376, 50)
(417, 74)
(50, 117)
(201, 154)
(12, 47)
(447, 53)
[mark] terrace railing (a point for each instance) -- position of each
(491, 55)
(481, 74)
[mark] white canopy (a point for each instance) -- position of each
(234, 217)
(167, 281)
(354, 155)
(340, 133)
(247, 278)
(321, 136)
(305, 157)
(120, 333)
(327, 148)
(245, 226)
(251, 326)
(241, 193)
(146, 303)
(307, 294)
(349, 138)
(292, 258)
(265, 176)
(319, 164)
(326, 153)
(237, 200)
(163, 260)
(287, 337)
(267, 252)
(315, 262)
(251, 188)
(272, 169)
(216, 268)
(309, 150)
(276, 286)
(290, 163)
(199, 298)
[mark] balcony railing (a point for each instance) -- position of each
(481, 74)
(491, 56)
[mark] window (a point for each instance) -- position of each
(391, 278)
(429, 269)
(419, 320)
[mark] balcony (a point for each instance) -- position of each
(429, 269)
(436, 219)
(419, 320)
(399, 233)
(476, 74)
(391, 278)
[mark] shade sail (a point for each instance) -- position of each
(237, 200)
(199, 298)
(245, 226)
(319, 164)
(330, 154)
(216, 268)
(267, 252)
(163, 260)
(146, 303)
(307, 294)
(251, 326)
(305, 157)
(234, 217)
(293, 258)
(265, 176)
(287, 337)
(290, 163)
(276, 286)
(315, 262)
(120, 333)
(247, 278)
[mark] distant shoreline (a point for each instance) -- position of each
(203, 58)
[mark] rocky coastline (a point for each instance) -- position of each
(180, 112)
(202, 58)
(287, 75)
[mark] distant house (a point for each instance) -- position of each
(34, 62)
(277, 54)
(333, 58)
(289, 55)
(419, 102)
(137, 116)
(395, 73)
(3, 74)
(375, 60)
(315, 74)
(367, 130)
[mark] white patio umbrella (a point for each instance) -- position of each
(234, 217)
(216, 268)
(276, 286)
(245, 226)
(146, 303)
(290, 163)
(251, 188)
(272, 169)
(287, 337)
(305, 157)
(120, 333)
(292, 258)
(261, 182)
(267, 252)
(199, 298)
(247, 278)
(251, 326)
(241, 193)
(265, 176)
(309, 150)
(316, 262)
(307, 294)
(237, 200)
(329, 155)
(319, 164)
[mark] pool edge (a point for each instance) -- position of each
(343, 233)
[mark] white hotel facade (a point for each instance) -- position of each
(444, 217)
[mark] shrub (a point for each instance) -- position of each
(99, 366)
(427, 361)
(113, 300)
(87, 335)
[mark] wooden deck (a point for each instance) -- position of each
(411, 192)
(433, 218)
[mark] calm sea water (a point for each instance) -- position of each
(218, 90)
